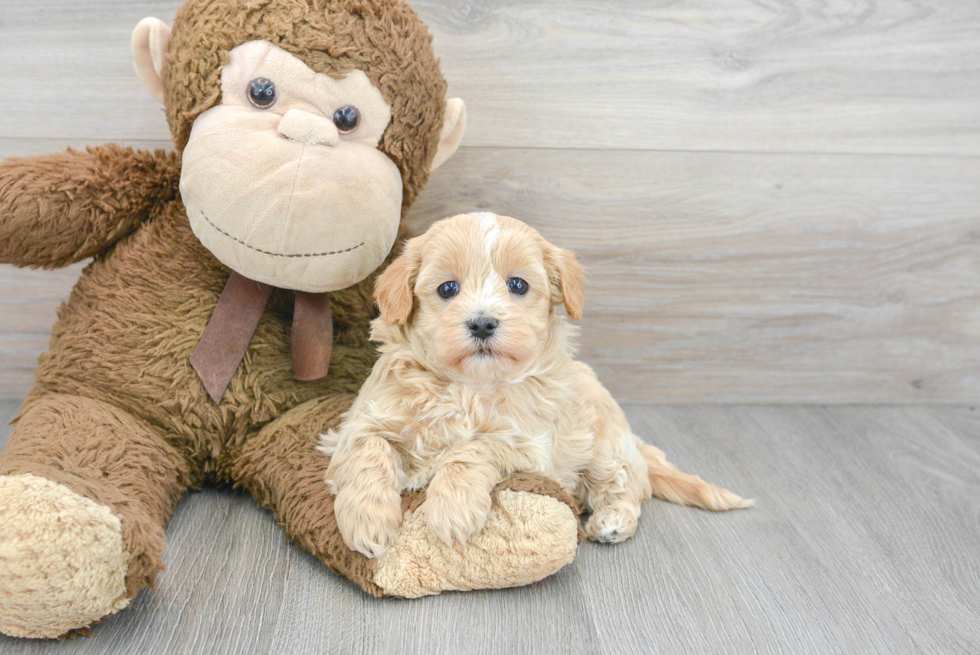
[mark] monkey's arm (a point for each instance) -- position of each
(61, 208)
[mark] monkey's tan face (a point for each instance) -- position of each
(283, 181)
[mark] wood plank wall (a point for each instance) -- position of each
(778, 200)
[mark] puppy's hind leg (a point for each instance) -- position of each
(616, 481)
(683, 488)
(612, 489)
(612, 524)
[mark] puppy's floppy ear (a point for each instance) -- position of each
(567, 280)
(394, 289)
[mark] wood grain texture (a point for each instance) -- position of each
(863, 541)
(718, 277)
(727, 277)
(781, 76)
(871, 514)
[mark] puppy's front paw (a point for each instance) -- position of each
(456, 516)
(368, 524)
(611, 524)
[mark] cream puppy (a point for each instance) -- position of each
(477, 380)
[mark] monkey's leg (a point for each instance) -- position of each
(532, 530)
(86, 491)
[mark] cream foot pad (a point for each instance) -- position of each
(527, 537)
(62, 558)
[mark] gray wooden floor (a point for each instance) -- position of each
(865, 539)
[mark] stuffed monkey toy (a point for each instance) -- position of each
(222, 324)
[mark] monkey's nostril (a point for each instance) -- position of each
(482, 327)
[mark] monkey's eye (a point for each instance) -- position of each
(517, 285)
(262, 92)
(447, 290)
(346, 119)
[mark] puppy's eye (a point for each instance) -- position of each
(517, 285)
(262, 92)
(447, 290)
(346, 119)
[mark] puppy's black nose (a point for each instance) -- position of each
(482, 327)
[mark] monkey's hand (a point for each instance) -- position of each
(62, 208)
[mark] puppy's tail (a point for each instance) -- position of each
(685, 489)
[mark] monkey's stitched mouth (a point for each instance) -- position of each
(279, 254)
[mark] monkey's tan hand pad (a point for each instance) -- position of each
(62, 558)
(531, 533)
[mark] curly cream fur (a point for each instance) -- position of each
(446, 410)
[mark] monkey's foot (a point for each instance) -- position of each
(527, 537)
(63, 562)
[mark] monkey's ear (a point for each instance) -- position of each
(150, 40)
(395, 288)
(453, 127)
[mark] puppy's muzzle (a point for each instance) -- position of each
(482, 327)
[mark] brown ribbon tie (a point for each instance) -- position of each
(234, 321)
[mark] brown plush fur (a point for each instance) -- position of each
(117, 414)
(284, 472)
(111, 457)
(118, 374)
(384, 38)
(65, 207)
